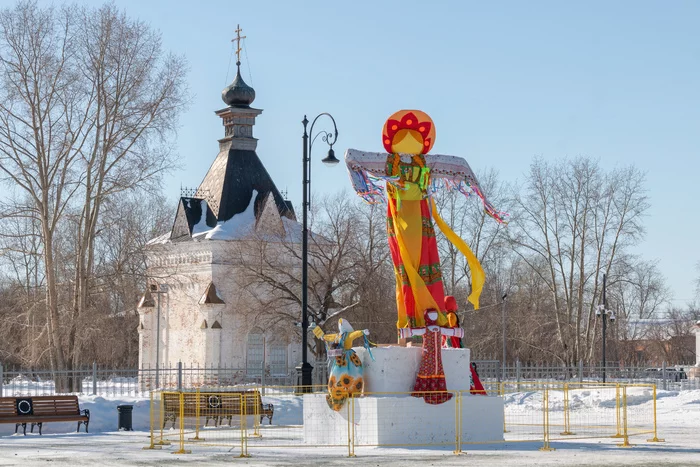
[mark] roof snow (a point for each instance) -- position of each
(239, 226)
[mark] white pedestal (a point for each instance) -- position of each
(380, 418)
(394, 368)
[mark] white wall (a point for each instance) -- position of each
(187, 268)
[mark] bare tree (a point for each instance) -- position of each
(86, 97)
(138, 95)
(571, 225)
(21, 260)
(40, 126)
(348, 271)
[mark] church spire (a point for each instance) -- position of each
(238, 93)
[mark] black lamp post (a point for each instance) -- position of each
(305, 369)
(603, 313)
(503, 322)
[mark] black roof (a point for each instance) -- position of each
(230, 185)
(189, 213)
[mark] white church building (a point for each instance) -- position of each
(197, 309)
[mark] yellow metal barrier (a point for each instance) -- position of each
(533, 412)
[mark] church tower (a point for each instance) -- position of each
(197, 310)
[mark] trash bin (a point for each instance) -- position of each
(125, 417)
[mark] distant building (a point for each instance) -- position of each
(206, 318)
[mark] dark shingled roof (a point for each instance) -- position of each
(231, 180)
(210, 296)
(189, 213)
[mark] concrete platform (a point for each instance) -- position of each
(402, 420)
(388, 415)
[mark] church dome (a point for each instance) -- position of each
(238, 93)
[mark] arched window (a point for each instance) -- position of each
(278, 359)
(255, 353)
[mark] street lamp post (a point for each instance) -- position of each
(305, 369)
(503, 319)
(603, 313)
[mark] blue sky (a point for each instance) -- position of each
(503, 81)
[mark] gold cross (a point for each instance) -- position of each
(238, 40)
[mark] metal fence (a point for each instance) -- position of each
(139, 383)
(666, 377)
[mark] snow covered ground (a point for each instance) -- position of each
(678, 423)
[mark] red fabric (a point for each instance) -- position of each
(452, 342)
(431, 376)
(428, 255)
(451, 307)
(477, 387)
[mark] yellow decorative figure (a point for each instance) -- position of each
(345, 378)
(410, 177)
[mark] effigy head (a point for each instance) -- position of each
(408, 132)
(344, 326)
(451, 311)
(431, 316)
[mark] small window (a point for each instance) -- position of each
(255, 353)
(278, 360)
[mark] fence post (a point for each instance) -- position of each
(580, 371)
(150, 409)
(94, 378)
(458, 416)
(262, 379)
(545, 421)
(663, 375)
(625, 435)
(1, 379)
(618, 411)
(179, 376)
(567, 420)
(517, 370)
(655, 439)
(182, 449)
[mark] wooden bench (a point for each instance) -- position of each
(37, 410)
(215, 406)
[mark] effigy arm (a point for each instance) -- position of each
(454, 173)
(410, 332)
(456, 332)
(330, 337)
